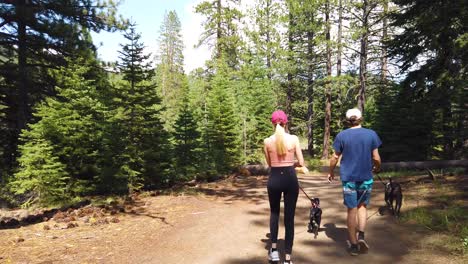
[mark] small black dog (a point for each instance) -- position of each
(393, 192)
(315, 217)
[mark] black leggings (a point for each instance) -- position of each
(283, 180)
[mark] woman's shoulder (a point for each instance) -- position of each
(292, 139)
(291, 136)
(268, 139)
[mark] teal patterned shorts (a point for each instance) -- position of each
(355, 193)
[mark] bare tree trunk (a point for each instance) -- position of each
(310, 90)
(22, 107)
(363, 56)
(268, 51)
(219, 33)
(340, 33)
(384, 38)
(244, 135)
(290, 85)
(326, 132)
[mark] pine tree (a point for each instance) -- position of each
(327, 121)
(223, 131)
(267, 15)
(170, 72)
(63, 149)
(304, 66)
(41, 175)
(37, 36)
(187, 140)
(256, 101)
(434, 39)
(221, 29)
(143, 156)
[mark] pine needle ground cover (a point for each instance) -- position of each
(437, 213)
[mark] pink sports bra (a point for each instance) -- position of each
(277, 160)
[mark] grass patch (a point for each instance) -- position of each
(444, 214)
(313, 164)
(450, 225)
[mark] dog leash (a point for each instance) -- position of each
(380, 179)
(362, 195)
(305, 194)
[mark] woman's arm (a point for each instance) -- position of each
(300, 158)
(265, 151)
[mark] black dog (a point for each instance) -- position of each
(315, 217)
(393, 193)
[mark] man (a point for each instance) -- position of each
(358, 149)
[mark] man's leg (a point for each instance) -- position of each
(364, 198)
(352, 224)
(362, 217)
(350, 201)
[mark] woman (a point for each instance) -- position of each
(280, 150)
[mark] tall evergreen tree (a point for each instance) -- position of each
(170, 72)
(187, 141)
(63, 149)
(143, 157)
(267, 15)
(256, 101)
(221, 28)
(304, 66)
(434, 39)
(223, 131)
(37, 36)
(328, 44)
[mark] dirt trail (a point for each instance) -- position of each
(224, 223)
(233, 229)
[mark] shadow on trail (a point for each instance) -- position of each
(339, 235)
(251, 189)
(163, 219)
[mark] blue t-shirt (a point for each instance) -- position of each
(356, 146)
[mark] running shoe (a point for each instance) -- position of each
(353, 250)
(273, 255)
(363, 246)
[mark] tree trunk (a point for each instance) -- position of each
(363, 56)
(219, 33)
(448, 130)
(384, 38)
(268, 51)
(22, 111)
(340, 33)
(290, 86)
(326, 132)
(310, 91)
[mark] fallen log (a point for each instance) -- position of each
(17, 218)
(424, 165)
(260, 169)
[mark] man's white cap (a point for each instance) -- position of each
(353, 112)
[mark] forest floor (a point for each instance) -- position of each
(225, 222)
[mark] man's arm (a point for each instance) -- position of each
(333, 161)
(376, 160)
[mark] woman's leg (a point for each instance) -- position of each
(274, 197)
(290, 200)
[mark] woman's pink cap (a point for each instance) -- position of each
(279, 116)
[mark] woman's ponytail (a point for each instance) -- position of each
(281, 148)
